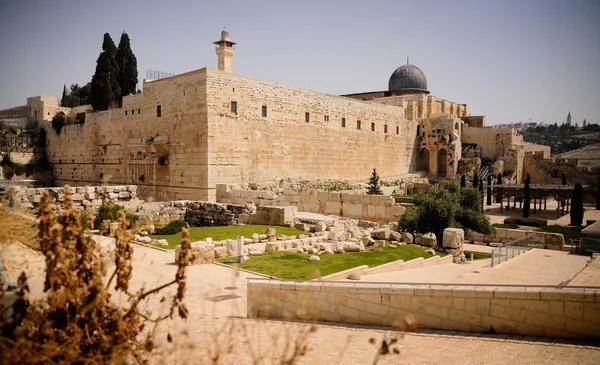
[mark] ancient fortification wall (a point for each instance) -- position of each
(535, 312)
(377, 208)
(305, 134)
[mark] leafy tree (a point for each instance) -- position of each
(475, 179)
(577, 205)
(463, 181)
(105, 89)
(489, 190)
(76, 96)
(527, 197)
(373, 184)
(563, 179)
(127, 63)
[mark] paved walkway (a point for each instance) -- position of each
(590, 276)
(533, 267)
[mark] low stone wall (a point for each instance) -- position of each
(552, 241)
(565, 312)
(377, 208)
(278, 216)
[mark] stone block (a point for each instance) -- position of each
(453, 237)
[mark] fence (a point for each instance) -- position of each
(514, 249)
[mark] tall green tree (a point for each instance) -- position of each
(127, 62)
(577, 205)
(527, 197)
(475, 179)
(65, 95)
(499, 195)
(489, 190)
(373, 184)
(105, 89)
(463, 181)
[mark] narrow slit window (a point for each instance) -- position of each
(158, 111)
(385, 128)
(234, 107)
(397, 130)
(372, 127)
(307, 117)
(343, 122)
(264, 111)
(358, 124)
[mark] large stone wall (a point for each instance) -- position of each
(565, 313)
(377, 208)
(246, 147)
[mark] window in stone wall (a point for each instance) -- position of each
(385, 128)
(358, 124)
(397, 130)
(125, 112)
(132, 111)
(326, 118)
(158, 111)
(343, 122)
(264, 111)
(139, 111)
(372, 127)
(307, 117)
(234, 107)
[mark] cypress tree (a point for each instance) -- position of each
(105, 89)
(64, 98)
(128, 73)
(563, 179)
(475, 180)
(499, 182)
(489, 190)
(463, 181)
(577, 205)
(373, 184)
(526, 197)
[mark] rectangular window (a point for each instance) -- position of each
(158, 111)
(385, 128)
(132, 111)
(307, 117)
(234, 107)
(397, 130)
(358, 124)
(343, 122)
(326, 118)
(138, 111)
(264, 111)
(372, 127)
(125, 112)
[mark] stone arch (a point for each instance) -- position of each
(423, 160)
(442, 162)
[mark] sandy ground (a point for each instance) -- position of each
(217, 328)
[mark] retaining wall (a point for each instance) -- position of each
(565, 312)
(377, 208)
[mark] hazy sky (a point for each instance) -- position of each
(510, 60)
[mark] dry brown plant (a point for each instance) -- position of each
(77, 322)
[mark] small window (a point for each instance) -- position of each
(385, 128)
(326, 118)
(397, 130)
(372, 127)
(234, 107)
(307, 117)
(343, 122)
(139, 111)
(358, 124)
(125, 112)
(158, 111)
(264, 111)
(132, 111)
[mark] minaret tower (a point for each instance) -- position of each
(225, 51)
(569, 119)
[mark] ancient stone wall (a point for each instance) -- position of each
(564, 313)
(377, 208)
(439, 144)
(304, 133)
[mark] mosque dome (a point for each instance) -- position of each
(408, 79)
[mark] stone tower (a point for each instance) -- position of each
(569, 119)
(225, 51)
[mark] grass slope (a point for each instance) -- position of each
(292, 265)
(225, 232)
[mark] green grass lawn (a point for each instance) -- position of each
(292, 265)
(477, 255)
(225, 232)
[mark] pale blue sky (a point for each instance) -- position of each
(509, 60)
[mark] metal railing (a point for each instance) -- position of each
(514, 249)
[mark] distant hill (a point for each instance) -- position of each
(563, 138)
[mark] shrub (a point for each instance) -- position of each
(373, 184)
(173, 227)
(76, 322)
(58, 122)
(109, 211)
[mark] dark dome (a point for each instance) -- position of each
(408, 78)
